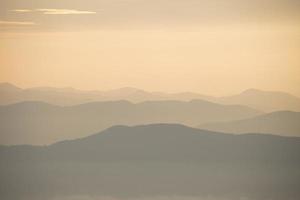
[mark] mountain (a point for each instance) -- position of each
(42, 123)
(267, 101)
(154, 161)
(9, 87)
(10, 94)
(279, 123)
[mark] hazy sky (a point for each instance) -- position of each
(208, 46)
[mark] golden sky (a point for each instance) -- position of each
(214, 47)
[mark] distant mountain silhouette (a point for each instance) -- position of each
(264, 100)
(7, 87)
(42, 123)
(155, 160)
(280, 123)
(261, 100)
(10, 94)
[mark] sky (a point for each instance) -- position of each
(216, 47)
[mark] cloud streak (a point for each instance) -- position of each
(50, 11)
(64, 12)
(21, 10)
(16, 23)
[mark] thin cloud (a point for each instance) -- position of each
(50, 11)
(16, 23)
(64, 11)
(21, 10)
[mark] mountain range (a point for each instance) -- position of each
(42, 123)
(279, 123)
(267, 101)
(159, 160)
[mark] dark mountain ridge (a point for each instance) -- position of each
(159, 160)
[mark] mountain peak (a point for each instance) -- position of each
(252, 91)
(266, 92)
(8, 86)
(128, 89)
